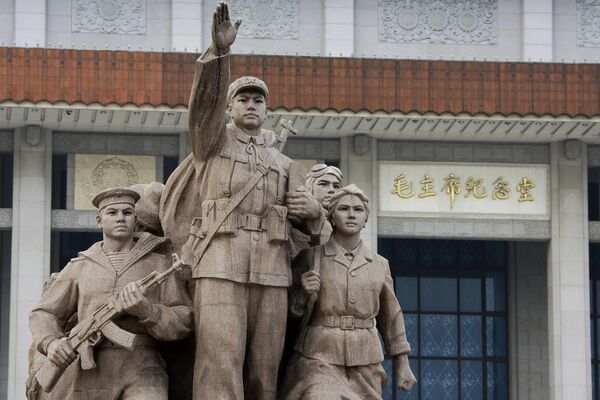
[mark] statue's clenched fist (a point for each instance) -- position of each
(61, 353)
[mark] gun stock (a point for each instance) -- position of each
(48, 375)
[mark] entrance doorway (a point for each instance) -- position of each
(454, 297)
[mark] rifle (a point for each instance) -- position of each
(86, 334)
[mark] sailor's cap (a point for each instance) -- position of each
(115, 196)
(246, 82)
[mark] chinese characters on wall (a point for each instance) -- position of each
(473, 187)
(468, 190)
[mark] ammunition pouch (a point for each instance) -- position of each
(277, 224)
(213, 211)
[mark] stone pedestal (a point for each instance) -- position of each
(568, 275)
(30, 244)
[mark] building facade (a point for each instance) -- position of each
(472, 125)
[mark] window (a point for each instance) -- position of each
(6, 180)
(66, 245)
(454, 297)
(595, 315)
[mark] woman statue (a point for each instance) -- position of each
(343, 292)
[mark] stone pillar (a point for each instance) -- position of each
(186, 25)
(358, 163)
(339, 28)
(537, 35)
(30, 23)
(528, 320)
(568, 274)
(30, 264)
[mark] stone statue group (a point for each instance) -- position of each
(264, 247)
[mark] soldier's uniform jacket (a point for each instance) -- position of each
(90, 280)
(354, 294)
(251, 245)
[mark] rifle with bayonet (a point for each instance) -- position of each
(87, 333)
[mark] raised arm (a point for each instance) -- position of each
(208, 99)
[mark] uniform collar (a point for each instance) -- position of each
(144, 243)
(259, 139)
(362, 256)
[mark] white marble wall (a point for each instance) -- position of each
(30, 22)
(568, 275)
(547, 30)
(537, 30)
(572, 40)
(7, 22)
(30, 263)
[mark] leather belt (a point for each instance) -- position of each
(344, 322)
(252, 222)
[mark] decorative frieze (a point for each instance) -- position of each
(109, 16)
(267, 19)
(438, 21)
(588, 23)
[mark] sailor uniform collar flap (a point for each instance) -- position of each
(363, 256)
(144, 244)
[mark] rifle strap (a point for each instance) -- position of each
(262, 168)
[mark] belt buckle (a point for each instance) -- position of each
(347, 322)
(252, 222)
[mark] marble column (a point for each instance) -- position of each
(30, 264)
(339, 28)
(30, 23)
(568, 274)
(186, 25)
(358, 163)
(537, 34)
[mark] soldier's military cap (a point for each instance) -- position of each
(246, 82)
(115, 196)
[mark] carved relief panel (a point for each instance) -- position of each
(267, 19)
(438, 21)
(109, 16)
(94, 173)
(588, 23)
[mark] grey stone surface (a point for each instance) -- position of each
(388, 150)
(593, 156)
(594, 229)
(5, 218)
(116, 144)
(109, 16)
(6, 141)
(463, 228)
(267, 19)
(313, 149)
(74, 220)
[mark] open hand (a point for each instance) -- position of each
(61, 353)
(311, 282)
(133, 302)
(223, 30)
